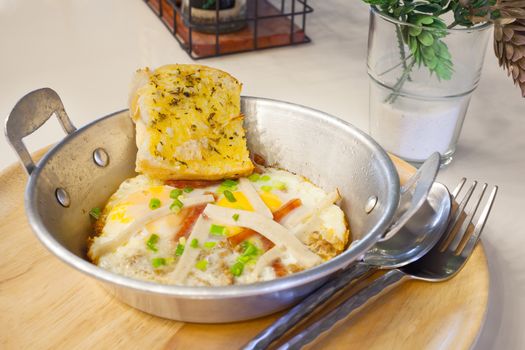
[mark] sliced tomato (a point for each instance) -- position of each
(258, 170)
(246, 234)
(190, 217)
(215, 195)
(278, 267)
(286, 209)
(257, 158)
(192, 183)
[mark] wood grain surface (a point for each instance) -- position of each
(44, 304)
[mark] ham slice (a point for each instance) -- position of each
(308, 221)
(265, 260)
(190, 217)
(200, 232)
(272, 230)
(246, 187)
(327, 201)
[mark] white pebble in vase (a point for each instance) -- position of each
(414, 129)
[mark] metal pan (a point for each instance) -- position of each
(87, 166)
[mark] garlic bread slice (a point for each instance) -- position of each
(188, 123)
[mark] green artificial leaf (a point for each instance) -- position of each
(428, 52)
(412, 44)
(431, 63)
(417, 57)
(439, 24)
(415, 31)
(429, 8)
(442, 50)
(443, 72)
(425, 38)
(444, 69)
(421, 20)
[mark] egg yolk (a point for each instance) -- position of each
(119, 214)
(241, 202)
(156, 190)
(271, 200)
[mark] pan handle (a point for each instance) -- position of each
(28, 115)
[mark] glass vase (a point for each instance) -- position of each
(414, 110)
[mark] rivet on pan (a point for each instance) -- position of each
(100, 157)
(62, 197)
(370, 204)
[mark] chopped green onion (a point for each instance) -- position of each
(95, 213)
(235, 217)
(179, 250)
(266, 188)
(202, 264)
(194, 243)
(188, 189)
(229, 196)
(210, 245)
(254, 177)
(244, 259)
(249, 248)
(177, 205)
(151, 243)
(175, 193)
(237, 268)
(154, 203)
(248, 256)
(217, 230)
(265, 178)
(157, 262)
(280, 185)
(229, 183)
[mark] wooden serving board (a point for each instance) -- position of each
(44, 304)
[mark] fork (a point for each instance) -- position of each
(441, 263)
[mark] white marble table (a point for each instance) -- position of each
(87, 50)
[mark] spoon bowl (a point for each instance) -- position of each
(419, 234)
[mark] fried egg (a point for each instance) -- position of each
(202, 233)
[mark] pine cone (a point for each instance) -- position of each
(509, 46)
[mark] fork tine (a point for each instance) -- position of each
(465, 234)
(458, 188)
(457, 218)
(480, 224)
(454, 195)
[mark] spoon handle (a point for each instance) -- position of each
(307, 306)
(342, 311)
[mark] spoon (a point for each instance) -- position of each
(422, 218)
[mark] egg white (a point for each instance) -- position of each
(276, 187)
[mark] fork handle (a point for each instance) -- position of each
(344, 310)
(307, 306)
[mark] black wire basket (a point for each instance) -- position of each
(210, 28)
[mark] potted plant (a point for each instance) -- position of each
(424, 62)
